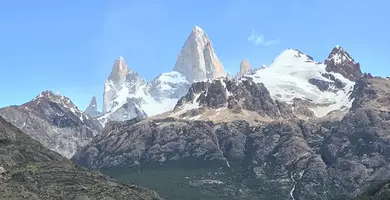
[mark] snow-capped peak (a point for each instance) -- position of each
(338, 55)
(289, 58)
(127, 94)
(169, 85)
(172, 77)
(292, 75)
(122, 81)
(341, 62)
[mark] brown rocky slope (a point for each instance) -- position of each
(28, 170)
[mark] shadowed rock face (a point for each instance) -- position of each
(377, 191)
(54, 121)
(322, 85)
(30, 171)
(242, 95)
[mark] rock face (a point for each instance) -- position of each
(54, 121)
(376, 192)
(245, 68)
(288, 158)
(371, 92)
(237, 96)
(92, 109)
(341, 62)
(197, 60)
(28, 170)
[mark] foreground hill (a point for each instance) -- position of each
(28, 170)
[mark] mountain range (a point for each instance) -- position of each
(296, 129)
(128, 95)
(293, 76)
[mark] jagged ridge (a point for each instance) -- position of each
(54, 121)
(30, 171)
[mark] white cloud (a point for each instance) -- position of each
(258, 39)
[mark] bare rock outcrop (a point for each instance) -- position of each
(245, 68)
(197, 60)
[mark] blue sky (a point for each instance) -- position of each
(70, 46)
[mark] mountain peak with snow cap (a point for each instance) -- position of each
(121, 80)
(291, 57)
(197, 60)
(295, 75)
(339, 54)
(341, 62)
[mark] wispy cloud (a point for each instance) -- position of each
(258, 39)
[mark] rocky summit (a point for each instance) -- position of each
(340, 61)
(245, 68)
(92, 109)
(28, 170)
(54, 121)
(197, 60)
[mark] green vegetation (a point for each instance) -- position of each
(199, 180)
(379, 191)
(189, 180)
